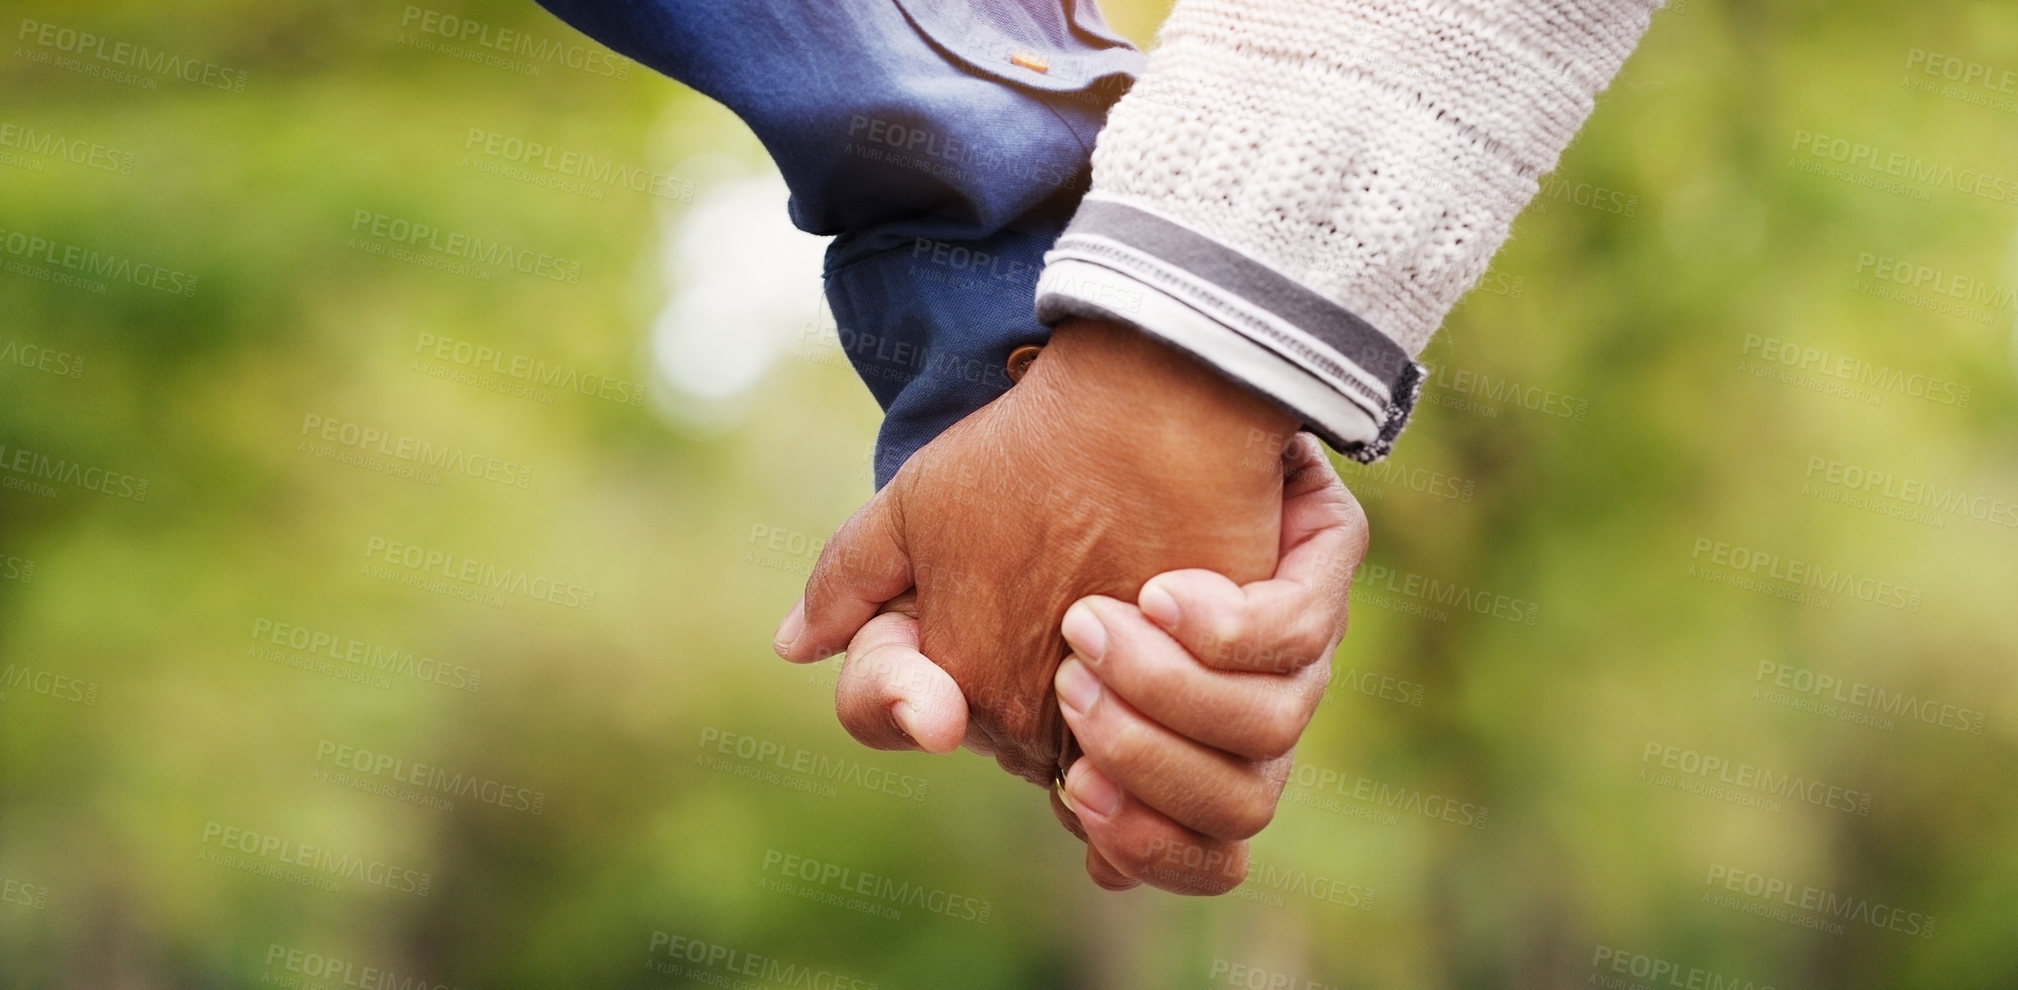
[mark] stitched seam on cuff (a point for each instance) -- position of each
(1076, 287)
(1063, 296)
(1200, 296)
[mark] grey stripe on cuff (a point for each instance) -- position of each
(1072, 287)
(1256, 283)
(1254, 324)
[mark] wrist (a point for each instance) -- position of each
(1132, 394)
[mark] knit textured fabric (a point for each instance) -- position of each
(1373, 151)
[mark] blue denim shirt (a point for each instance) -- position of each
(943, 144)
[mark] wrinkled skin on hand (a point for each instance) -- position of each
(1115, 459)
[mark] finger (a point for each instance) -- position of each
(891, 697)
(1097, 866)
(1295, 617)
(1199, 787)
(862, 566)
(1254, 715)
(1129, 842)
(1106, 874)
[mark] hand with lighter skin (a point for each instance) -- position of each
(1115, 460)
(1189, 703)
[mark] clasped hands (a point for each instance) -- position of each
(1161, 529)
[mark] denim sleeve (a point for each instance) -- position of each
(943, 145)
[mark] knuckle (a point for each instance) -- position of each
(1352, 520)
(1269, 724)
(1224, 631)
(1276, 733)
(827, 578)
(1247, 814)
(1275, 776)
(1121, 742)
(1310, 634)
(1310, 692)
(1135, 859)
(1235, 874)
(1236, 653)
(1284, 658)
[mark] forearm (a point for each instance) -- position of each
(1300, 190)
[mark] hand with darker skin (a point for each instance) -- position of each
(1115, 459)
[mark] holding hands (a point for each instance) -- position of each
(1019, 537)
(1189, 703)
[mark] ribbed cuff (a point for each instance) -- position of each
(1351, 385)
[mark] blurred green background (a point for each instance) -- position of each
(1738, 710)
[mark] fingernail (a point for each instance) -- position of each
(1083, 630)
(790, 630)
(1156, 602)
(1077, 687)
(1088, 789)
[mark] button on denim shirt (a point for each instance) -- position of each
(943, 145)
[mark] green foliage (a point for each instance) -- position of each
(1610, 438)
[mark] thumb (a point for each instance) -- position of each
(862, 566)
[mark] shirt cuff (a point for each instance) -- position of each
(1350, 384)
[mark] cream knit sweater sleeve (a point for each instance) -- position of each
(1298, 191)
